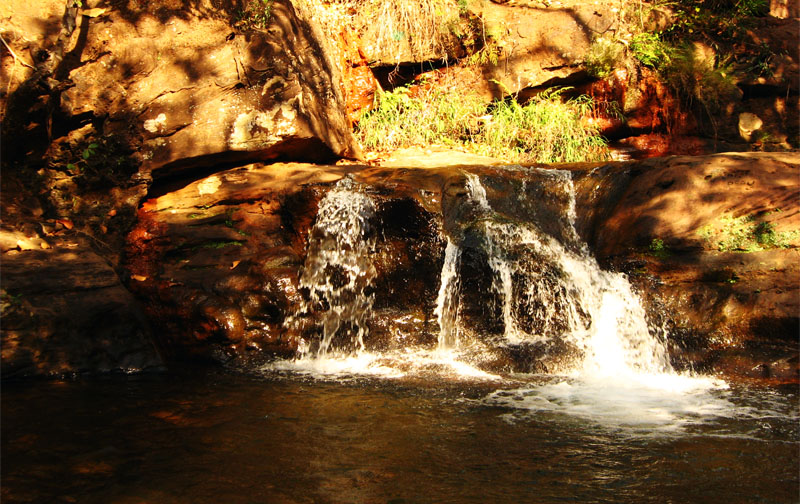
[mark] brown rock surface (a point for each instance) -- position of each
(686, 229)
(543, 43)
(185, 87)
(65, 312)
(218, 262)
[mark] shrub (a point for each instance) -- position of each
(546, 130)
(603, 56)
(650, 50)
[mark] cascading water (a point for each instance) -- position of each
(550, 291)
(447, 302)
(338, 269)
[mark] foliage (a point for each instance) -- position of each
(546, 130)
(748, 233)
(706, 83)
(95, 162)
(659, 249)
(256, 14)
(650, 50)
(603, 56)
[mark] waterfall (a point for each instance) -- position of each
(338, 269)
(548, 290)
(447, 302)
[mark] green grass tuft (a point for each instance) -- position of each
(746, 234)
(546, 130)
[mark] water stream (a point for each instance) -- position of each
(552, 295)
(609, 420)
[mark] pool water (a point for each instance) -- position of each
(197, 436)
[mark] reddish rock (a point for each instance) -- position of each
(360, 85)
(654, 145)
(665, 221)
(217, 264)
(66, 312)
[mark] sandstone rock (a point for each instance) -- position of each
(686, 230)
(541, 46)
(218, 263)
(749, 124)
(784, 9)
(66, 312)
(192, 90)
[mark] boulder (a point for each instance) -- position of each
(539, 45)
(187, 88)
(65, 312)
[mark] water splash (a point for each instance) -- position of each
(548, 291)
(338, 269)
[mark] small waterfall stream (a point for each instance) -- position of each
(550, 291)
(338, 270)
(539, 279)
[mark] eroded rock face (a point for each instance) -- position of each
(65, 312)
(188, 88)
(218, 264)
(712, 243)
(541, 46)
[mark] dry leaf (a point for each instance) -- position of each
(235, 263)
(112, 212)
(66, 223)
(139, 278)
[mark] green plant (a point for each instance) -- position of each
(748, 233)
(706, 83)
(650, 50)
(547, 129)
(659, 249)
(603, 57)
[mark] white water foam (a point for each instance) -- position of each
(338, 269)
(624, 378)
(447, 301)
(441, 363)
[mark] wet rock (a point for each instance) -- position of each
(66, 312)
(711, 244)
(218, 264)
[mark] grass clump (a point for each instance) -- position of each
(650, 50)
(747, 233)
(603, 57)
(545, 130)
(426, 26)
